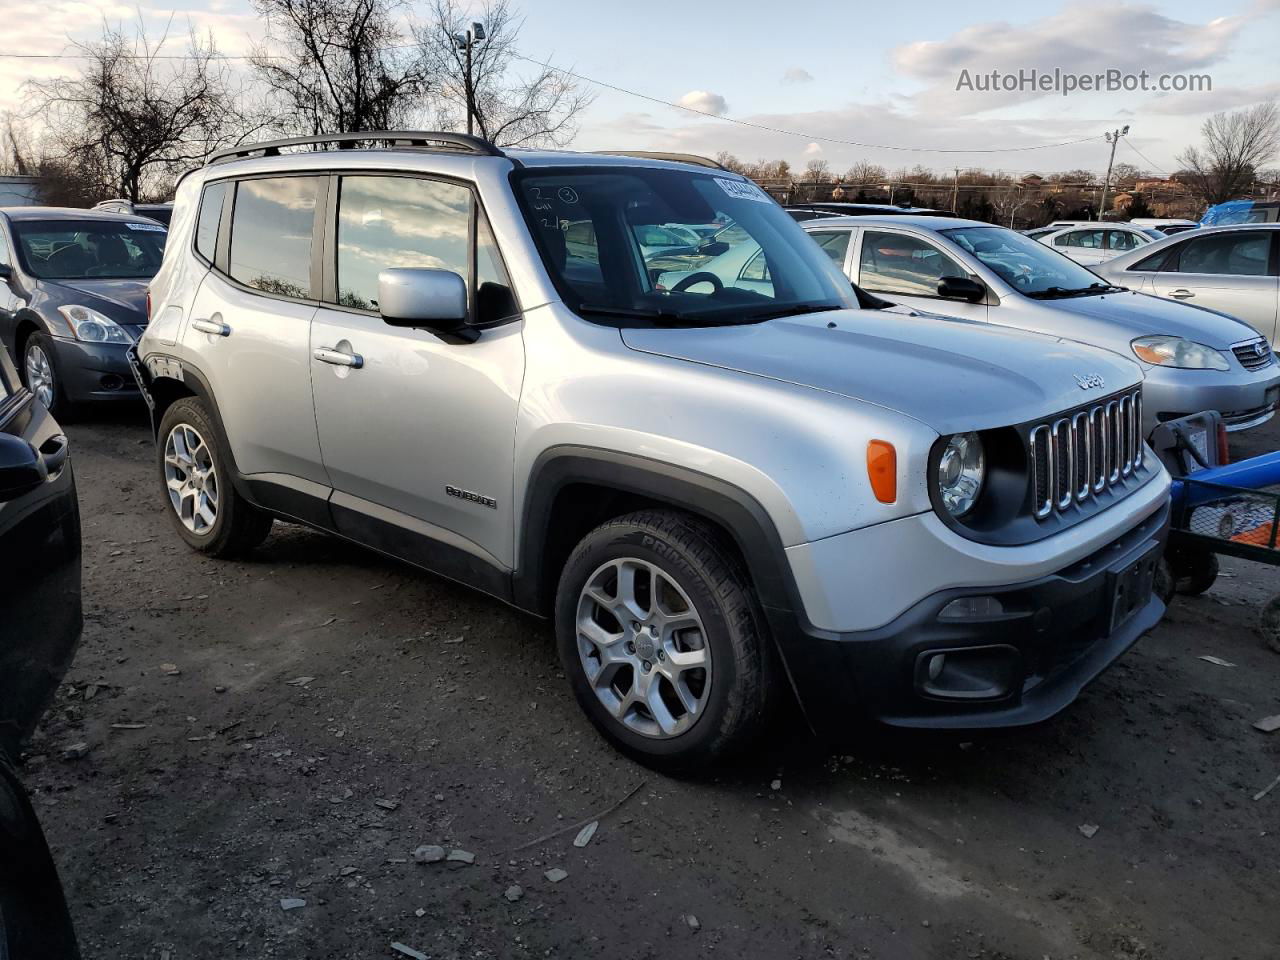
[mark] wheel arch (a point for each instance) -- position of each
(573, 489)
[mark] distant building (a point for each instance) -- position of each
(1032, 180)
(20, 192)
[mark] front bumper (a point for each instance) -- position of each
(1020, 666)
(1244, 398)
(94, 371)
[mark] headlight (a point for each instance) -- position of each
(960, 473)
(1176, 352)
(93, 327)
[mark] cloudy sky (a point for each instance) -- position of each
(824, 73)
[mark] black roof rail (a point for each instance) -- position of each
(673, 157)
(421, 139)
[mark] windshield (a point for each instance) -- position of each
(1024, 263)
(673, 246)
(89, 249)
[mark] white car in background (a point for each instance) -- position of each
(1094, 243)
(1193, 359)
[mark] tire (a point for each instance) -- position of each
(1194, 571)
(1269, 624)
(711, 619)
(195, 480)
(39, 366)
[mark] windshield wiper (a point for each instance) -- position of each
(1059, 293)
(794, 310)
(668, 318)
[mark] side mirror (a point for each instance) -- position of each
(713, 248)
(961, 288)
(22, 469)
(423, 297)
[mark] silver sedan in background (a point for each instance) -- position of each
(1235, 269)
(1194, 359)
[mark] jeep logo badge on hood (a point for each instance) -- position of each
(1089, 382)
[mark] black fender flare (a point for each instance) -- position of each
(732, 508)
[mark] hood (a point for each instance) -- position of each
(952, 375)
(1130, 315)
(127, 295)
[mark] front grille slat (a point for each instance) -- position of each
(1253, 355)
(1085, 453)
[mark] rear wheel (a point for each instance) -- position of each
(661, 640)
(203, 503)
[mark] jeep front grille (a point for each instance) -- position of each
(1081, 454)
(1253, 355)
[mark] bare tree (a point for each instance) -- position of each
(865, 173)
(535, 105)
(1235, 146)
(817, 170)
(337, 66)
(132, 117)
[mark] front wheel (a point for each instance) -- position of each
(660, 637)
(40, 374)
(202, 501)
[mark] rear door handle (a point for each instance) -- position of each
(1182, 294)
(216, 327)
(54, 453)
(338, 358)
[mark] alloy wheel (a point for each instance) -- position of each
(644, 648)
(39, 374)
(191, 478)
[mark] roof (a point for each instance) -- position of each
(18, 214)
(897, 220)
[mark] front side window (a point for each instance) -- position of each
(386, 222)
(90, 249)
(1024, 264)
(834, 243)
(271, 230)
(1232, 254)
(896, 263)
(641, 246)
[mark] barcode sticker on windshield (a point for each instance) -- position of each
(155, 227)
(742, 190)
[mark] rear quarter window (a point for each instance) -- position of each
(209, 218)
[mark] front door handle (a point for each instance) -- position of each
(338, 358)
(216, 327)
(1182, 294)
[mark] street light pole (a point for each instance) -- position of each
(465, 41)
(1112, 138)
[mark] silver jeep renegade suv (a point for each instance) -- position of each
(719, 487)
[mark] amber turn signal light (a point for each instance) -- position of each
(882, 469)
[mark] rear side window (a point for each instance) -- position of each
(1230, 254)
(208, 219)
(398, 222)
(271, 231)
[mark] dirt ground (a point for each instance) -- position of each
(295, 725)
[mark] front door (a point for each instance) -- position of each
(906, 269)
(1232, 271)
(418, 434)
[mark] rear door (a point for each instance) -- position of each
(1083, 246)
(1233, 271)
(40, 615)
(250, 326)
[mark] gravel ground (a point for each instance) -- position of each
(292, 727)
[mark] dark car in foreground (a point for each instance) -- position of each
(73, 291)
(40, 623)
